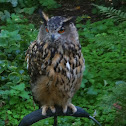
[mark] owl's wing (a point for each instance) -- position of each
(37, 59)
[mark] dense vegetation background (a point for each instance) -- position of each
(102, 31)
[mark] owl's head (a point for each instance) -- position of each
(57, 29)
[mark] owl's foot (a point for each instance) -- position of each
(45, 108)
(70, 105)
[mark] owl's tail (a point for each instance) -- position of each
(55, 121)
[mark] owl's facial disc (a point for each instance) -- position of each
(56, 27)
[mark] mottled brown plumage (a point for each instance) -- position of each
(55, 66)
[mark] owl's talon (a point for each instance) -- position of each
(45, 108)
(74, 109)
(70, 105)
(65, 109)
(53, 109)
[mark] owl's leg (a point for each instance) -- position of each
(70, 105)
(46, 107)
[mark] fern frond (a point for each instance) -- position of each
(110, 12)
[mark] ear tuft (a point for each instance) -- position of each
(69, 19)
(43, 16)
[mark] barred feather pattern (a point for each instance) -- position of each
(55, 71)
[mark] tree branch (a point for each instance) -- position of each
(35, 116)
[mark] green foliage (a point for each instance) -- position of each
(24, 6)
(117, 99)
(106, 42)
(49, 4)
(110, 12)
(104, 49)
(4, 15)
(13, 2)
(14, 80)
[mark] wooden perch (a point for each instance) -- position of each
(35, 116)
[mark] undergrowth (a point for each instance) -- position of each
(15, 97)
(103, 47)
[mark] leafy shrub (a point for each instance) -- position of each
(118, 101)
(103, 47)
(14, 81)
(24, 6)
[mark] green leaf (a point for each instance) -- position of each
(14, 3)
(4, 15)
(13, 47)
(1, 69)
(4, 34)
(9, 112)
(15, 77)
(3, 65)
(29, 10)
(7, 14)
(12, 36)
(92, 91)
(12, 68)
(24, 94)
(15, 36)
(19, 87)
(4, 92)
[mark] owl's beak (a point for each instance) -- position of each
(52, 38)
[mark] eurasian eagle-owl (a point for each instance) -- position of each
(55, 64)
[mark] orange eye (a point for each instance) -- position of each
(61, 31)
(47, 30)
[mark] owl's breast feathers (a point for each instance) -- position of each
(44, 59)
(57, 66)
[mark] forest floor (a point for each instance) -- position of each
(68, 9)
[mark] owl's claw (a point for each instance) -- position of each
(53, 109)
(65, 109)
(45, 108)
(74, 109)
(70, 105)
